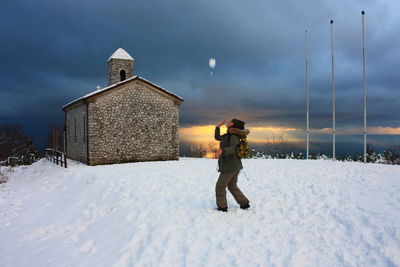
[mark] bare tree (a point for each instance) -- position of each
(13, 142)
(55, 138)
(198, 151)
(3, 138)
(211, 150)
(278, 146)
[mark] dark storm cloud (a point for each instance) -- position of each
(55, 51)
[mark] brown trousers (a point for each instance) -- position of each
(228, 180)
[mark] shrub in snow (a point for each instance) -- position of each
(260, 155)
(390, 157)
(324, 157)
(358, 157)
(3, 177)
(371, 153)
(344, 158)
(297, 156)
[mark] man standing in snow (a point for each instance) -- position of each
(229, 164)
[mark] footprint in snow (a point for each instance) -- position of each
(89, 247)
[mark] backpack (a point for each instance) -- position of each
(243, 149)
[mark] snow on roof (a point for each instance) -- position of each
(159, 87)
(120, 54)
(116, 84)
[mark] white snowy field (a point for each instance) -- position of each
(303, 213)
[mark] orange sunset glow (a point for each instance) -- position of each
(205, 134)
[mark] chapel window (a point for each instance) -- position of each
(122, 75)
(84, 128)
(75, 129)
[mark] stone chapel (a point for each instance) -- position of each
(130, 120)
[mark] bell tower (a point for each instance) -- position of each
(120, 66)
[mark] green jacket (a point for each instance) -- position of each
(228, 161)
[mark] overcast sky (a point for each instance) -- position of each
(55, 51)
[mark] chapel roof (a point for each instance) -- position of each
(176, 97)
(120, 53)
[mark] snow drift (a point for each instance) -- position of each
(303, 213)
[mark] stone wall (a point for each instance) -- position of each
(76, 132)
(133, 122)
(114, 68)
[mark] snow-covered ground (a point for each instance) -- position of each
(303, 213)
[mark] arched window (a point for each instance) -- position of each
(122, 75)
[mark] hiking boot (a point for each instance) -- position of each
(222, 209)
(245, 206)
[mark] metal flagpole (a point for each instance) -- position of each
(308, 103)
(333, 97)
(365, 92)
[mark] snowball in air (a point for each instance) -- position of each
(211, 62)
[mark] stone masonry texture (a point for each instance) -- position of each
(114, 68)
(133, 122)
(76, 132)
